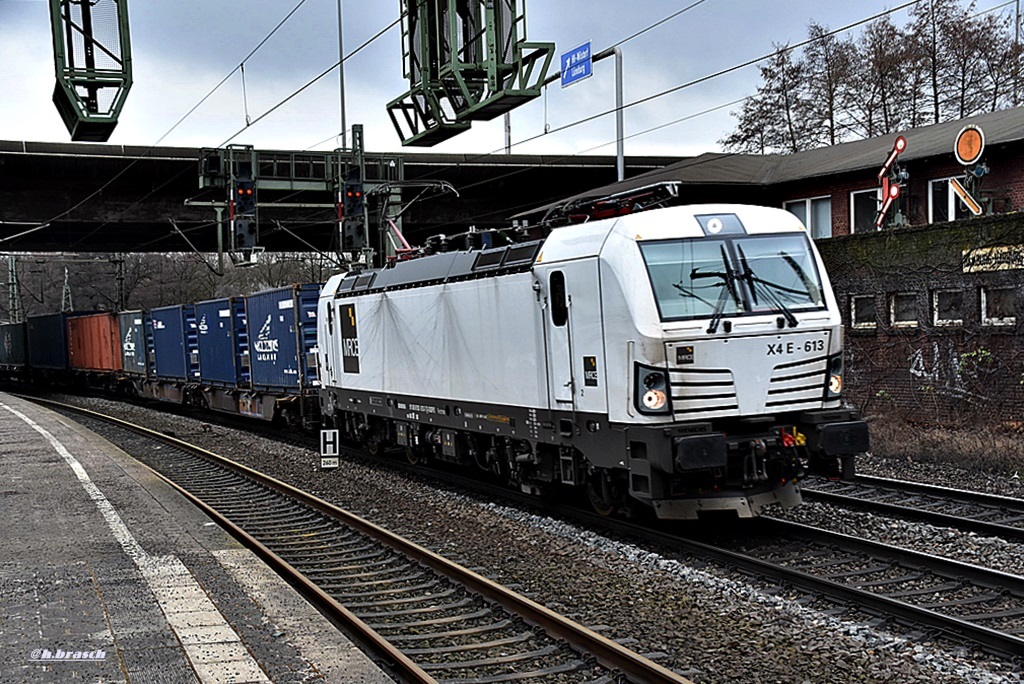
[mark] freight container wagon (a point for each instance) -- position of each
(173, 363)
(48, 344)
(223, 352)
(281, 326)
(134, 352)
(94, 343)
(218, 322)
(12, 347)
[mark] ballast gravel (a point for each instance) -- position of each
(704, 621)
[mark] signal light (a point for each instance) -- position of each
(354, 200)
(245, 201)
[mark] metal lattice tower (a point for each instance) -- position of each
(466, 60)
(92, 56)
(65, 295)
(14, 310)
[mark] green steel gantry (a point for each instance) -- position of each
(92, 56)
(466, 60)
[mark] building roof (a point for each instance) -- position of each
(717, 168)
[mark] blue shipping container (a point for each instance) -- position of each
(48, 341)
(217, 324)
(175, 345)
(282, 337)
(134, 351)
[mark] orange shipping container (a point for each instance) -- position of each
(94, 342)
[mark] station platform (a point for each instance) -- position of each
(107, 574)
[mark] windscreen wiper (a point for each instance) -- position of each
(813, 291)
(729, 278)
(685, 292)
(767, 288)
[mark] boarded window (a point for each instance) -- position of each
(903, 309)
(863, 311)
(998, 306)
(948, 307)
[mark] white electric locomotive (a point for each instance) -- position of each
(688, 358)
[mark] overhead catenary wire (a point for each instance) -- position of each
(253, 122)
(649, 98)
(182, 119)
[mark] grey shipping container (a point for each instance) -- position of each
(133, 342)
(282, 337)
(12, 344)
(175, 349)
(48, 341)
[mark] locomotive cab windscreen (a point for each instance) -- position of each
(695, 278)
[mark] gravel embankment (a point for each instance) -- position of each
(711, 624)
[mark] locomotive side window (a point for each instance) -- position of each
(559, 306)
(330, 318)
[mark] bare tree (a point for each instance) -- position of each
(829, 70)
(947, 62)
(752, 134)
(778, 118)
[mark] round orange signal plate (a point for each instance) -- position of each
(970, 143)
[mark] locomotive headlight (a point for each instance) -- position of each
(654, 400)
(835, 377)
(651, 394)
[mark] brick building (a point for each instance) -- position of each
(835, 190)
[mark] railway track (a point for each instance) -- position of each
(987, 514)
(917, 590)
(925, 592)
(427, 618)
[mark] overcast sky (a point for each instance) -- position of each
(182, 49)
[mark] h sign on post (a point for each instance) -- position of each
(576, 64)
(329, 449)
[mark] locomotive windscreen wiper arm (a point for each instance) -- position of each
(684, 292)
(729, 278)
(767, 288)
(812, 290)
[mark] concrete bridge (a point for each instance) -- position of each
(109, 198)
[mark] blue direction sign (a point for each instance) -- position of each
(576, 64)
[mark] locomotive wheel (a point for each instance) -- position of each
(412, 455)
(372, 445)
(604, 504)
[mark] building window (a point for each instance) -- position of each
(863, 209)
(903, 309)
(948, 307)
(862, 311)
(944, 204)
(815, 213)
(998, 306)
